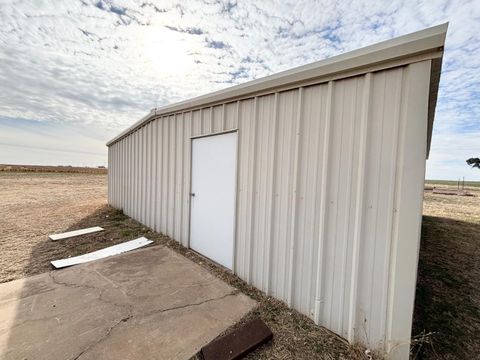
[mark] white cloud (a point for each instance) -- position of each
(102, 64)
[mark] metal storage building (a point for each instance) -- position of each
(307, 184)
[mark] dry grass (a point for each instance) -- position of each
(447, 306)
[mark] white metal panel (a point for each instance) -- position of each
(213, 197)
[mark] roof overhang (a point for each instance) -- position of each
(418, 46)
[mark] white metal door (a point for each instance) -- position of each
(212, 214)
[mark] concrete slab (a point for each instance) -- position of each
(146, 304)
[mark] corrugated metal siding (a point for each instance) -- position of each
(315, 191)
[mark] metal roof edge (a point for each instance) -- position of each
(424, 41)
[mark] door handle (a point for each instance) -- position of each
(192, 194)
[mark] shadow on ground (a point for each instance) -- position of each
(447, 305)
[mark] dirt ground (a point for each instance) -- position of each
(447, 309)
(447, 306)
(35, 205)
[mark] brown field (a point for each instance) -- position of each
(447, 309)
(54, 169)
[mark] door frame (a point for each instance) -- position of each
(235, 201)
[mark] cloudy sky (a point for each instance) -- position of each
(75, 73)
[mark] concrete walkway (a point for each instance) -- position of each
(147, 304)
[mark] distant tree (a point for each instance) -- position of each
(474, 162)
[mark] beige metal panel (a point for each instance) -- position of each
(109, 180)
(130, 174)
(231, 116)
(171, 175)
(121, 164)
(136, 169)
(141, 175)
(280, 242)
(185, 210)
(164, 175)
(179, 176)
(153, 174)
(144, 174)
(207, 120)
(197, 122)
(149, 182)
(245, 176)
(410, 173)
(110, 174)
(340, 201)
(379, 188)
(124, 190)
(158, 177)
(145, 170)
(117, 174)
(111, 154)
(306, 234)
(261, 179)
(135, 175)
(131, 177)
(218, 118)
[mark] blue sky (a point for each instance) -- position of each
(75, 73)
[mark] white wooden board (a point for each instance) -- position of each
(70, 234)
(103, 253)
